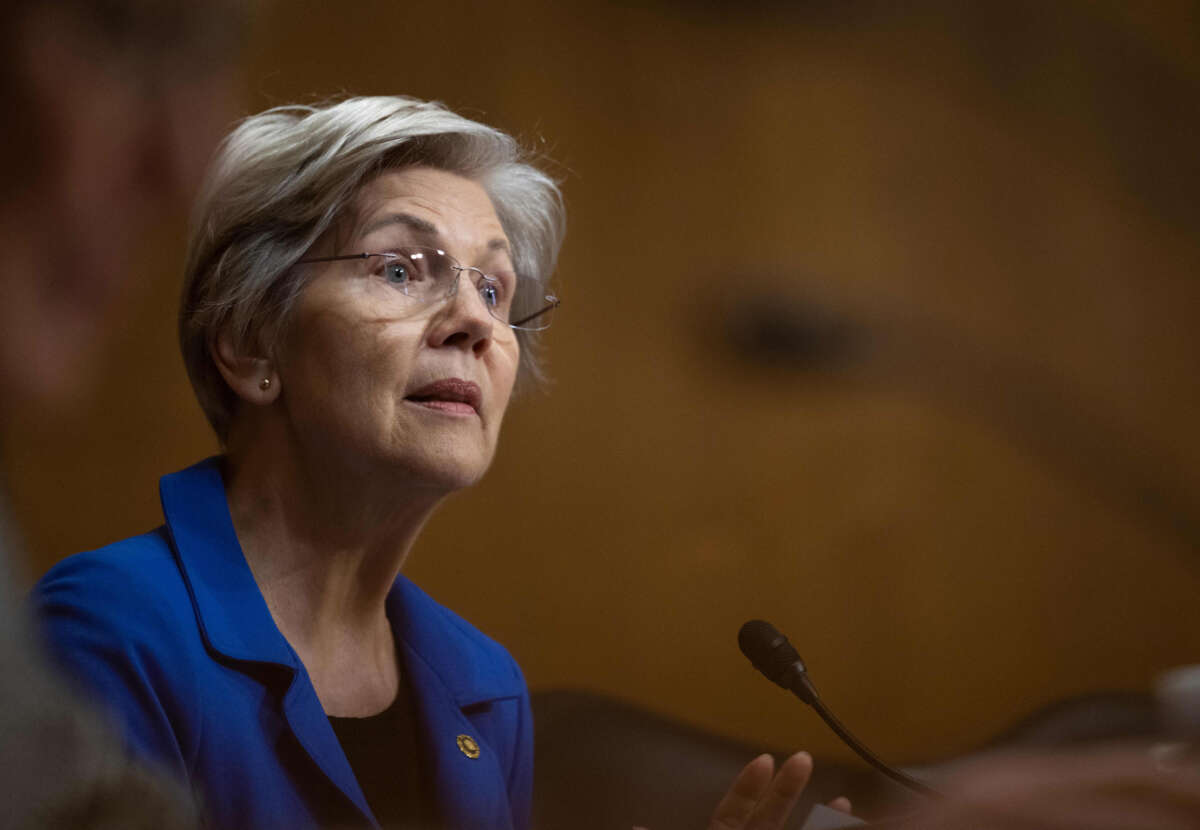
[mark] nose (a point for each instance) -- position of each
(464, 321)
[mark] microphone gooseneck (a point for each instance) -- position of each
(772, 654)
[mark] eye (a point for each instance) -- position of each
(406, 268)
(396, 271)
(492, 293)
(498, 289)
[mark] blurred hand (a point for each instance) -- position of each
(1106, 789)
(762, 799)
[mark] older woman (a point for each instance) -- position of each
(363, 287)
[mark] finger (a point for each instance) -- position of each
(735, 809)
(841, 804)
(781, 796)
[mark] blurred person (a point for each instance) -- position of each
(1125, 784)
(111, 108)
(1099, 788)
(365, 283)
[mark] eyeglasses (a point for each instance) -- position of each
(429, 275)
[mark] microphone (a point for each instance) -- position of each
(772, 654)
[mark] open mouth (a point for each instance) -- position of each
(452, 396)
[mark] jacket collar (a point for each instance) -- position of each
(233, 616)
(236, 622)
(450, 665)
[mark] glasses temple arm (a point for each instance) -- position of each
(554, 302)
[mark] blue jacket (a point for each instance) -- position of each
(170, 631)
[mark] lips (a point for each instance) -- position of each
(451, 395)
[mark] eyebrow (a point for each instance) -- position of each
(422, 226)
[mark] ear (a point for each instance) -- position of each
(251, 377)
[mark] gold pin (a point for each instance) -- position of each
(468, 746)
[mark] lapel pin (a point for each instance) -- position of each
(468, 746)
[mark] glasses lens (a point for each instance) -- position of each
(425, 274)
(498, 291)
(520, 303)
(428, 275)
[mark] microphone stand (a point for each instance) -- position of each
(864, 753)
(772, 654)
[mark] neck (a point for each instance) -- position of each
(324, 542)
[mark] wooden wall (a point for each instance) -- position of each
(879, 326)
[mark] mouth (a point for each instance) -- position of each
(452, 396)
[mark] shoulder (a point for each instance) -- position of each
(119, 622)
(132, 589)
(125, 570)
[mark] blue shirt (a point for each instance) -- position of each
(170, 630)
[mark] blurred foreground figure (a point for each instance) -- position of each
(110, 112)
(1116, 788)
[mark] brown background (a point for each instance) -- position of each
(966, 488)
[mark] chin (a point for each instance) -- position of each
(448, 472)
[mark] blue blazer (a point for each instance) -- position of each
(170, 631)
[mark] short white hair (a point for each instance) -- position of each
(285, 177)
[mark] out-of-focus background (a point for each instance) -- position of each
(879, 322)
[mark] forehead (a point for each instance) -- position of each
(447, 205)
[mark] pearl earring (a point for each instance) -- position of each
(264, 384)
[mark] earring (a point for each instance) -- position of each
(264, 384)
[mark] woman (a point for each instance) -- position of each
(362, 288)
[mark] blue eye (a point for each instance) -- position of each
(396, 272)
(490, 293)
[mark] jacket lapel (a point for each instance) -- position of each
(311, 726)
(447, 675)
(446, 672)
(469, 790)
(233, 616)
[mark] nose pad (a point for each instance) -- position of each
(462, 323)
(453, 292)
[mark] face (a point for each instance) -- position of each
(123, 143)
(372, 378)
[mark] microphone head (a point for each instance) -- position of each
(770, 652)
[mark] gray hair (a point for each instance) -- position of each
(285, 177)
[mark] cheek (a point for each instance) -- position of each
(350, 369)
(504, 375)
